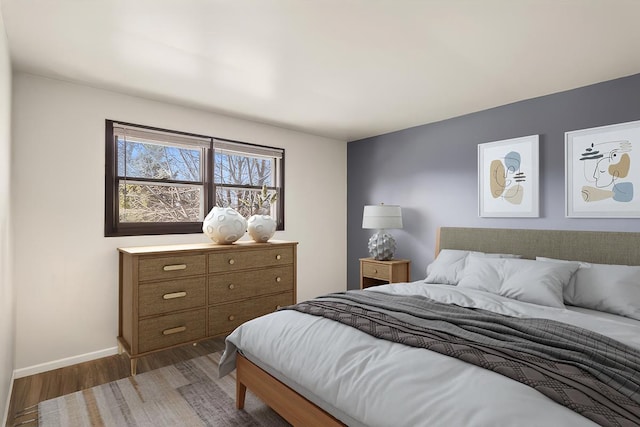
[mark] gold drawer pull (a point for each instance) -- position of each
(174, 330)
(278, 279)
(232, 261)
(173, 295)
(175, 267)
(375, 271)
(278, 256)
(232, 318)
(231, 286)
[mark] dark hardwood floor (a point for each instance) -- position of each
(29, 391)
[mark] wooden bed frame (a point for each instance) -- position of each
(590, 246)
(291, 406)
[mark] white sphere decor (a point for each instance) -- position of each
(261, 228)
(224, 225)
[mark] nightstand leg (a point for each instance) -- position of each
(134, 366)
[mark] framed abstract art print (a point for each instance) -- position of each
(508, 178)
(602, 171)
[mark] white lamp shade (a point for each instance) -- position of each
(382, 217)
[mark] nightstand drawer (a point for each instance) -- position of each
(165, 297)
(226, 317)
(165, 331)
(222, 262)
(374, 270)
(171, 267)
(245, 284)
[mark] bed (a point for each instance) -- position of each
(318, 370)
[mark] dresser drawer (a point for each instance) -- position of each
(226, 317)
(164, 268)
(245, 284)
(165, 297)
(172, 329)
(374, 270)
(221, 262)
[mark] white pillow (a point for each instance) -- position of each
(525, 280)
(604, 287)
(449, 265)
(446, 267)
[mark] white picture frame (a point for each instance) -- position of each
(602, 170)
(508, 178)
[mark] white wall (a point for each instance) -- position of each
(7, 299)
(66, 271)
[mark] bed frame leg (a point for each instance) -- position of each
(291, 406)
(241, 391)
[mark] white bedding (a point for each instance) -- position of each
(366, 381)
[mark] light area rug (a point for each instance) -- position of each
(188, 393)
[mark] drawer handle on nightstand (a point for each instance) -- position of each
(232, 318)
(174, 330)
(175, 267)
(278, 279)
(232, 261)
(174, 295)
(231, 286)
(278, 256)
(375, 271)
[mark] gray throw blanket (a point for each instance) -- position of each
(593, 375)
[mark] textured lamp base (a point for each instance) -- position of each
(382, 246)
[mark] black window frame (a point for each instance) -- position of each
(112, 225)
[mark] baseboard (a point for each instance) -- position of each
(5, 418)
(61, 363)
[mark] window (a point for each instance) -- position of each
(164, 182)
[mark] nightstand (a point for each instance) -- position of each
(374, 272)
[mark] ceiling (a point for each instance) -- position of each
(345, 69)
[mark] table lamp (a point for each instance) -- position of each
(382, 245)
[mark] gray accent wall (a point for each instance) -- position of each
(431, 170)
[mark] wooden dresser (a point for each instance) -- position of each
(178, 294)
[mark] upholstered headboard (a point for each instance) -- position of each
(602, 247)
